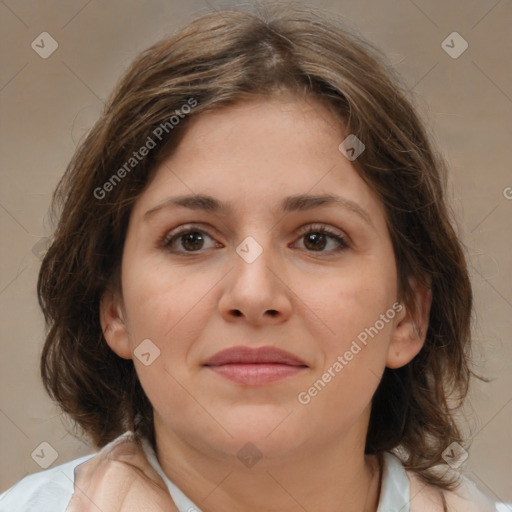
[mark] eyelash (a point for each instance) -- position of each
(167, 240)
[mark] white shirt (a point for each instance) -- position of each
(51, 490)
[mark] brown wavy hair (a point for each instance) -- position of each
(218, 59)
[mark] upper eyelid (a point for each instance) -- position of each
(301, 231)
(304, 228)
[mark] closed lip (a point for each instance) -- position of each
(246, 355)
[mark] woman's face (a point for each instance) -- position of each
(241, 270)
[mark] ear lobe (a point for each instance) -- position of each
(113, 324)
(411, 328)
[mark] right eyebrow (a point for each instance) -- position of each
(299, 202)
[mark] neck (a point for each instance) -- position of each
(320, 477)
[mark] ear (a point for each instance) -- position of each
(411, 327)
(112, 318)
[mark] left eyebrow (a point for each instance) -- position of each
(299, 202)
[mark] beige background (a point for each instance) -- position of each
(48, 104)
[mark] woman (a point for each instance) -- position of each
(255, 296)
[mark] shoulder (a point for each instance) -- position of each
(45, 491)
(466, 497)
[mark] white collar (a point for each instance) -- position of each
(395, 490)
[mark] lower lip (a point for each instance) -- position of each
(256, 374)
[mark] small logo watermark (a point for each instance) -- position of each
(44, 45)
(249, 455)
(44, 455)
(454, 45)
(146, 352)
(351, 147)
(40, 247)
(455, 455)
(249, 250)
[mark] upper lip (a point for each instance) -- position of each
(246, 355)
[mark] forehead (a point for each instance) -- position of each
(256, 153)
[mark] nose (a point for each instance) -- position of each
(256, 291)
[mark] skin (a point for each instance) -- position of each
(307, 299)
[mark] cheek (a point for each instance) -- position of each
(171, 310)
(353, 359)
(159, 302)
(358, 310)
(357, 299)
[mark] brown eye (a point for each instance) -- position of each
(193, 240)
(186, 240)
(316, 239)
